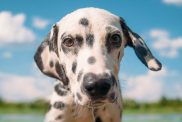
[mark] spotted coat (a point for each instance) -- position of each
(83, 52)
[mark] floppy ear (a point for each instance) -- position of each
(47, 58)
(140, 48)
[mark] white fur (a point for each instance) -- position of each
(106, 62)
(98, 20)
(152, 64)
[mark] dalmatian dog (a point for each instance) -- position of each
(83, 52)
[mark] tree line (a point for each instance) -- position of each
(41, 105)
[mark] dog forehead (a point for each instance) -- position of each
(92, 17)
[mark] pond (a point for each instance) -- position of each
(126, 118)
(153, 118)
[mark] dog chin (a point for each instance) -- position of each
(99, 103)
(87, 102)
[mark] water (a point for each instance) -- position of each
(153, 118)
(126, 118)
(21, 118)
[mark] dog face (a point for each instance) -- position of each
(84, 49)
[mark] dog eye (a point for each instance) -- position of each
(68, 41)
(115, 40)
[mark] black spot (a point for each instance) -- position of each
(79, 40)
(126, 33)
(49, 107)
(60, 90)
(79, 75)
(37, 56)
(141, 50)
(61, 72)
(79, 96)
(59, 117)
(90, 40)
(98, 119)
(74, 65)
(108, 44)
(51, 64)
(84, 21)
(59, 105)
(91, 60)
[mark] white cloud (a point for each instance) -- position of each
(178, 90)
(13, 30)
(166, 46)
(147, 87)
(173, 2)
(23, 88)
(40, 23)
(151, 86)
(7, 55)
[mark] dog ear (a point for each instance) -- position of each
(47, 57)
(140, 48)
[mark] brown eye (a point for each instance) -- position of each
(68, 41)
(115, 40)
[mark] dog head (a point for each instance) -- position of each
(84, 49)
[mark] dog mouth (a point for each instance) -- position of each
(101, 102)
(95, 104)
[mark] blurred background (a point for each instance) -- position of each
(148, 96)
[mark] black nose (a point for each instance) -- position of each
(96, 86)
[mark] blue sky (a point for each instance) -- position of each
(23, 25)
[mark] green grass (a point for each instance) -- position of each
(21, 111)
(166, 110)
(37, 107)
(164, 106)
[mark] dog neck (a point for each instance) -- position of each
(64, 109)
